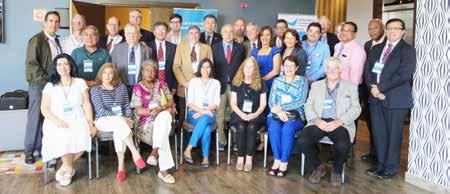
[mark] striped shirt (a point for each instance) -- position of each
(289, 96)
(104, 101)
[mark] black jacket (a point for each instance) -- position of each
(223, 70)
(215, 39)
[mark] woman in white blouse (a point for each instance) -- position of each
(203, 99)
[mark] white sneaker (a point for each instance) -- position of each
(167, 179)
(152, 161)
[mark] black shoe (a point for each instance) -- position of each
(29, 159)
(386, 175)
(374, 172)
(368, 158)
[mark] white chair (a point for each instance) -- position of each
(262, 131)
(324, 140)
(89, 169)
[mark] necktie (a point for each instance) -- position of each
(108, 46)
(387, 53)
(132, 61)
(228, 54)
(193, 55)
(58, 45)
(208, 39)
(161, 72)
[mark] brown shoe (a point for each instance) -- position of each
(317, 174)
(335, 179)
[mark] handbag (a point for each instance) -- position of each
(291, 114)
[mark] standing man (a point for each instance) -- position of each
(388, 71)
(376, 33)
(175, 22)
(209, 36)
(327, 37)
(89, 58)
(317, 53)
(113, 38)
(74, 40)
(188, 55)
(228, 56)
(164, 54)
(280, 28)
(42, 49)
(252, 32)
(239, 30)
(135, 18)
(128, 56)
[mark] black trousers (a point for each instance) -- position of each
(388, 133)
(246, 136)
(363, 98)
(340, 137)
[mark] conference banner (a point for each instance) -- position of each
(193, 17)
(298, 22)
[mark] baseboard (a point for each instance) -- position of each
(425, 184)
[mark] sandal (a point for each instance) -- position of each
(188, 159)
(152, 160)
(273, 172)
(121, 176)
(240, 166)
(167, 179)
(282, 173)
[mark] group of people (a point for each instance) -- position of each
(134, 83)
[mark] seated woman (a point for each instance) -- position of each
(331, 110)
(203, 99)
(113, 114)
(68, 120)
(152, 103)
(248, 101)
(286, 100)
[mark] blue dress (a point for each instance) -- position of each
(265, 63)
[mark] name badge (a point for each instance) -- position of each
(88, 66)
(377, 68)
(117, 110)
(317, 54)
(247, 106)
(67, 110)
(161, 65)
(205, 103)
(286, 99)
(153, 105)
(132, 69)
(327, 103)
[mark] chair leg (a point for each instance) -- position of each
(96, 159)
(266, 137)
(89, 165)
(302, 170)
(138, 171)
(217, 147)
(229, 146)
(176, 151)
(343, 174)
(181, 147)
(45, 172)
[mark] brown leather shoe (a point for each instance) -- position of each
(317, 174)
(335, 179)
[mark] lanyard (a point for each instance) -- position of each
(67, 94)
(309, 51)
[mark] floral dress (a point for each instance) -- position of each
(142, 97)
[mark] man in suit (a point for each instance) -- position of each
(388, 71)
(331, 110)
(376, 33)
(164, 54)
(228, 56)
(113, 38)
(187, 56)
(252, 31)
(175, 22)
(128, 56)
(239, 30)
(209, 36)
(281, 26)
(42, 49)
(135, 18)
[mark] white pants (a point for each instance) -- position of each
(118, 126)
(161, 132)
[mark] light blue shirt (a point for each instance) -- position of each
(317, 54)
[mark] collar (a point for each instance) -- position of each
(136, 47)
(225, 44)
(50, 37)
(379, 41)
(85, 50)
(160, 41)
(393, 43)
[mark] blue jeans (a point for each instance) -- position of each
(281, 136)
(202, 129)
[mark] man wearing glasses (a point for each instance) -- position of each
(388, 72)
(174, 36)
(109, 41)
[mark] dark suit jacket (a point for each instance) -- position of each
(368, 45)
(396, 76)
(223, 70)
(119, 58)
(104, 40)
(215, 39)
(169, 56)
(146, 36)
(332, 40)
(302, 59)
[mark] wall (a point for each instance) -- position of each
(19, 26)
(360, 12)
(429, 139)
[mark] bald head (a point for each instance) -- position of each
(78, 22)
(227, 33)
(376, 29)
(324, 23)
(113, 26)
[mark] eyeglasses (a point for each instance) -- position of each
(175, 22)
(394, 29)
(346, 31)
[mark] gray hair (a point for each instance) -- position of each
(333, 62)
(91, 27)
(136, 27)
